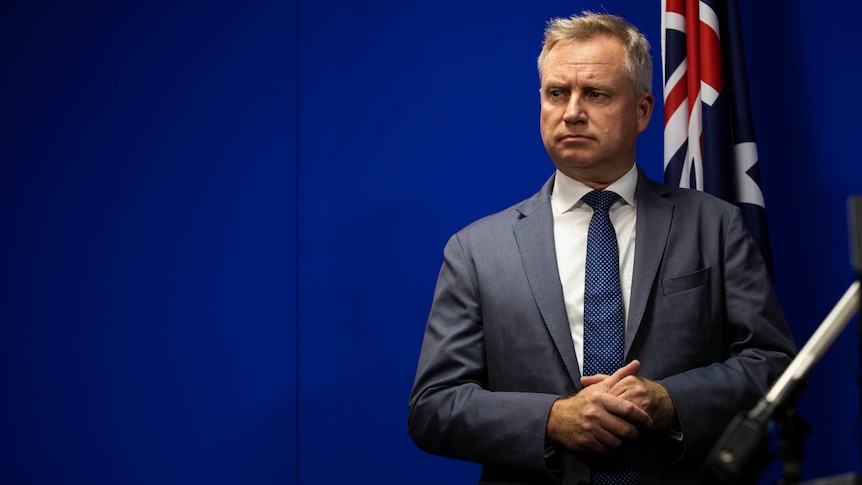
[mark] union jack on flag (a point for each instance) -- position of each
(708, 129)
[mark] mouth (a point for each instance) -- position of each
(574, 138)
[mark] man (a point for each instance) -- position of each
(701, 335)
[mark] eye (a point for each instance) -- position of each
(556, 94)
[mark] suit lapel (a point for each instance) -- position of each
(653, 228)
(534, 233)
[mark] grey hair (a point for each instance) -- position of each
(638, 63)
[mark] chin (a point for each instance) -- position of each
(574, 163)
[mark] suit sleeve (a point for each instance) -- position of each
(453, 412)
(748, 327)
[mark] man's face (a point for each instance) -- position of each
(591, 117)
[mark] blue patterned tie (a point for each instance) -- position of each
(604, 338)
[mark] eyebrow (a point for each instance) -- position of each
(553, 83)
(556, 84)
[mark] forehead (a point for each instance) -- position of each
(599, 55)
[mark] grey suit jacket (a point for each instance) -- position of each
(497, 352)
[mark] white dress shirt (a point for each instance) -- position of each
(571, 224)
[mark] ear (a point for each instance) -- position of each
(644, 111)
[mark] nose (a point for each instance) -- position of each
(574, 111)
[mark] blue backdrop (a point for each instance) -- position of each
(222, 222)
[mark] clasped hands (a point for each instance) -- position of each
(610, 410)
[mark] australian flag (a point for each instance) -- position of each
(708, 129)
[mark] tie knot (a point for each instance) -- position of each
(600, 200)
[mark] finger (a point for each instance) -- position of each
(593, 379)
(614, 430)
(630, 369)
(606, 440)
(628, 388)
(628, 411)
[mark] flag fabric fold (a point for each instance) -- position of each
(709, 141)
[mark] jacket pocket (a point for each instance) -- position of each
(685, 282)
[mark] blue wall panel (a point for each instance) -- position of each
(148, 254)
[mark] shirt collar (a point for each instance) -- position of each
(567, 192)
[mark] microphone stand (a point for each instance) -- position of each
(854, 223)
(733, 458)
